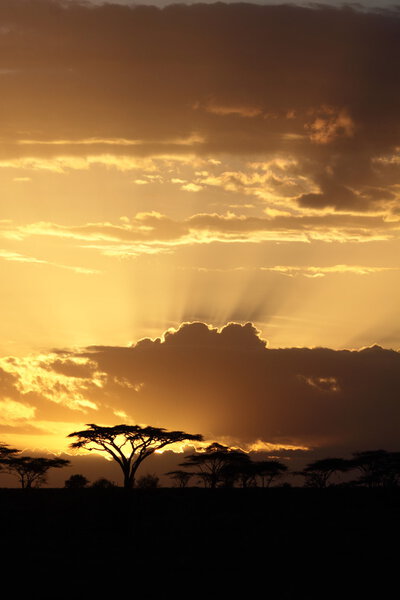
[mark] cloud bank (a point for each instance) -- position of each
(84, 85)
(226, 384)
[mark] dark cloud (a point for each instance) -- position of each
(318, 83)
(334, 195)
(8, 382)
(228, 384)
(70, 368)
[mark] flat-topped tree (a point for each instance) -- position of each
(268, 471)
(6, 452)
(129, 445)
(319, 472)
(216, 463)
(32, 471)
(181, 478)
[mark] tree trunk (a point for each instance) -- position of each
(129, 478)
(129, 481)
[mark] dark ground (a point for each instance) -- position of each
(286, 543)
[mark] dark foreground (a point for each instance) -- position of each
(288, 543)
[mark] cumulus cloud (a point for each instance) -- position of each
(225, 383)
(228, 383)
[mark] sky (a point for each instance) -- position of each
(200, 219)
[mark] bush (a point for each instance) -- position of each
(149, 481)
(76, 482)
(103, 484)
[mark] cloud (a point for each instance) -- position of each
(56, 388)
(227, 384)
(309, 271)
(329, 125)
(153, 232)
(11, 411)
(271, 80)
(224, 383)
(20, 258)
(229, 109)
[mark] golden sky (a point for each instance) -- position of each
(200, 164)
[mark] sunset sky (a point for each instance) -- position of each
(231, 167)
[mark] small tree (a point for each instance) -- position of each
(210, 463)
(319, 472)
(378, 468)
(32, 472)
(181, 478)
(76, 482)
(268, 471)
(128, 445)
(148, 482)
(103, 484)
(217, 464)
(238, 468)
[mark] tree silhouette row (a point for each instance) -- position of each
(215, 465)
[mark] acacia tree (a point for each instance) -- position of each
(128, 445)
(238, 468)
(379, 468)
(319, 472)
(209, 463)
(268, 471)
(5, 453)
(30, 471)
(181, 478)
(216, 464)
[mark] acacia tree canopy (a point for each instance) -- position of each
(180, 477)
(128, 445)
(6, 452)
(379, 468)
(268, 470)
(216, 463)
(32, 471)
(319, 472)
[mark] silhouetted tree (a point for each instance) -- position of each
(378, 468)
(6, 451)
(149, 481)
(32, 472)
(76, 481)
(216, 464)
(103, 484)
(128, 445)
(319, 472)
(209, 462)
(181, 478)
(237, 469)
(268, 471)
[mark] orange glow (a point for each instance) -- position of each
(180, 219)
